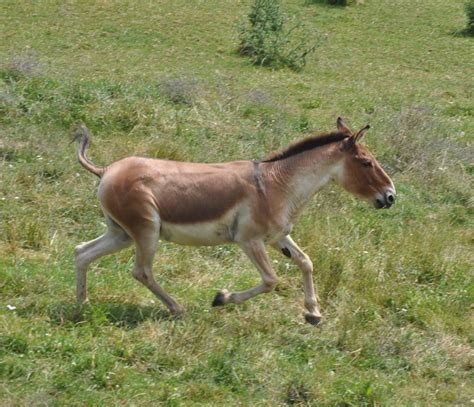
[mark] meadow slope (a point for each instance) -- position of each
(163, 79)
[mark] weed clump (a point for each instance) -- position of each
(180, 90)
(19, 67)
(267, 42)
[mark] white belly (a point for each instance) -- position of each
(196, 234)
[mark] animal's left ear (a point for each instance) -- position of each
(360, 133)
(342, 127)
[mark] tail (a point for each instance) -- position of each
(82, 134)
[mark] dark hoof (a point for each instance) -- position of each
(312, 319)
(219, 299)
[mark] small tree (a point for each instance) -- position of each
(267, 42)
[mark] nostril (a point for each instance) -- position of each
(390, 198)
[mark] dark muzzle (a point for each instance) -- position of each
(386, 200)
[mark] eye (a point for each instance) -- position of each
(367, 163)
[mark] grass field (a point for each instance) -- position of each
(163, 79)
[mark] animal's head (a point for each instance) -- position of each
(361, 174)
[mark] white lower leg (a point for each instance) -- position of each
(310, 299)
(301, 259)
(88, 252)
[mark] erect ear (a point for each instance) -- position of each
(341, 126)
(360, 133)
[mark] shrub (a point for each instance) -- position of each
(267, 42)
(470, 16)
(337, 2)
(341, 3)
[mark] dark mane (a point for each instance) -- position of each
(307, 144)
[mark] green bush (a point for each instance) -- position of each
(267, 42)
(470, 16)
(341, 3)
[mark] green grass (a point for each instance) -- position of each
(164, 79)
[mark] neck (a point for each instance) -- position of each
(299, 177)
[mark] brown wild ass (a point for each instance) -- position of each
(250, 203)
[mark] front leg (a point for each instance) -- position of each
(291, 250)
(255, 250)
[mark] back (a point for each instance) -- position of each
(182, 192)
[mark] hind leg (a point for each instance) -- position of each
(146, 242)
(112, 241)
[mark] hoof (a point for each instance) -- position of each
(220, 298)
(313, 319)
(177, 311)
